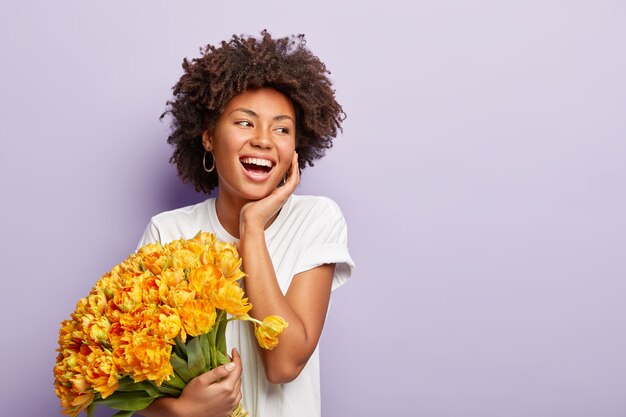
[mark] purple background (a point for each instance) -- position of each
(481, 171)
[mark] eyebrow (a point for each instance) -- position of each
(252, 113)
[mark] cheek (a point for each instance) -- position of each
(227, 144)
(288, 148)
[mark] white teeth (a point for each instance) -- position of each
(257, 161)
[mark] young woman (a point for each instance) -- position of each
(247, 115)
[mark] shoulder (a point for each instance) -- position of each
(183, 222)
(319, 207)
(320, 236)
(311, 215)
(182, 213)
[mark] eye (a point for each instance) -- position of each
(244, 123)
(283, 130)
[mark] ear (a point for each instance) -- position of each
(207, 140)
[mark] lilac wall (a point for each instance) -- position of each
(481, 170)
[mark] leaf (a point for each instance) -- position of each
(222, 359)
(180, 348)
(175, 381)
(127, 384)
(91, 409)
(180, 367)
(136, 400)
(151, 389)
(195, 357)
(205, 345)
(221, 335)
(169, 391)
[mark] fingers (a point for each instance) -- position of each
(239, 396)
(237, 387)
(237, 361)
(231, 370)
(216, 392)
(236, 357)
(293, 177)
(295, 167)
(218, 373)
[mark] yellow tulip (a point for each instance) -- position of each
(154, 262)
(138, 318)
(205, 239)
(80, 402)
(194, 246)
(229, 262)
(101, 372)
(201, 280)
(207, 257)
(109, 283)
(169, 323)
(144, 357)
(131, 295)
(197, 316)
(67, 341)
(229, 296)
(180, 295)
(267, 332)
(184, 258)
(98, 330)
(170, 278)
(149, 248)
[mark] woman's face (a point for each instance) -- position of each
(253, 143)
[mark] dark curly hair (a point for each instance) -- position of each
(221, 73)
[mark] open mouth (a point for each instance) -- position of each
(257, 165)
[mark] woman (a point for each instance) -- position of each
(246, 116)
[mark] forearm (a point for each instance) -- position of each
(284, 362)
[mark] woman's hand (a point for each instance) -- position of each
(257, 214)
(213, 394)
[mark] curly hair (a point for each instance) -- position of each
(221, 73)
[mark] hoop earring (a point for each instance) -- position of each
(204, 162)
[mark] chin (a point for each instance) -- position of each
(257, 194)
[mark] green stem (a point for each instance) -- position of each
(218, 321)
(252, 319)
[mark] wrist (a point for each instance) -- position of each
(253, 233)
(251, 225)
(175, 407)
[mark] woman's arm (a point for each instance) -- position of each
(213, 394)
(304, 305)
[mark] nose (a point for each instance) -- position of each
(262, 139)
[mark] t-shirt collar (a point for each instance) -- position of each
(223, 235)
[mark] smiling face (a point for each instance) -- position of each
(253, 144)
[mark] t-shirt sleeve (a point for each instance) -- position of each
(327, 244)
(150, 235)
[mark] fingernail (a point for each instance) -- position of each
(230, 366)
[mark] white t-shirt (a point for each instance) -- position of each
(309, 231)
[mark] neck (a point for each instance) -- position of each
(228, 211)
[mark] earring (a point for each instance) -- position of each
(204, 162)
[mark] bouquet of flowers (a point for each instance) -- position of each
(151, 324)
